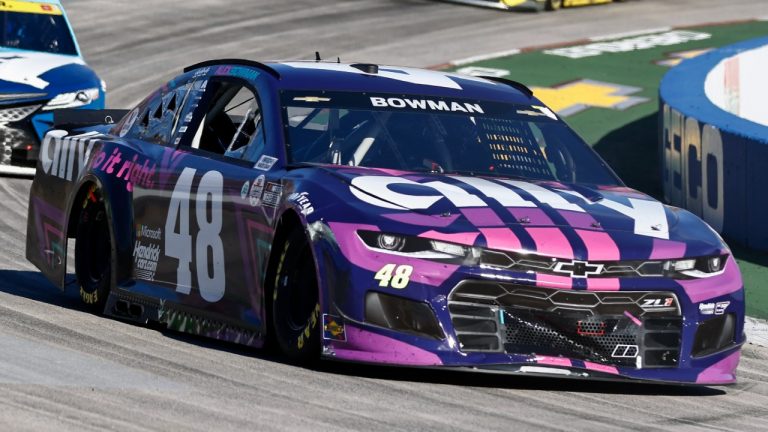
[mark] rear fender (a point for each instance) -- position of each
(56, 198)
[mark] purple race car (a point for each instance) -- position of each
(386, 215)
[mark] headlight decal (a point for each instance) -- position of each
(703, 289)
(73, 99)
(428, 272)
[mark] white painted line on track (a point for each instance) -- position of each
(629, 34)
(488, 56)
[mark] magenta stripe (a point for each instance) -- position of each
(600, 246)
(706, 288)
(722, 372)
(423, 220)
(603, 284)
(554, 361)
(362, 345)
(578, 219)
(501, 238)
(667, 249)
(551, 242)
(533, 216)
(482, 217)
(460, 238)
(634, 319)
(601, 368)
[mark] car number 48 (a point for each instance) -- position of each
(178, 244)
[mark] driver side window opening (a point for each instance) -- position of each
(232, 122)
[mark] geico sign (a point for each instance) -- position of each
(693, 166)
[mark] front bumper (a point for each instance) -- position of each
(649, 329)
(19, 142)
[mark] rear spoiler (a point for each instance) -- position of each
(74, 118)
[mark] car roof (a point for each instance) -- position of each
(366, 77)
(53, 2)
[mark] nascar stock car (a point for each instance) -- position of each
(385, 215)
(550, 5)
(41, 70)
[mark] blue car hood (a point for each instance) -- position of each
(43, 74)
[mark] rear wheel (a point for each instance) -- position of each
(295, 304)
(553, 5)
(93, 252)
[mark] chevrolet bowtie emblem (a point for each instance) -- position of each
(578, 269)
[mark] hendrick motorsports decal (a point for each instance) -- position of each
(146, 257)
(714, 308)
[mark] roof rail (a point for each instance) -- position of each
(518, 86)
(241, 62)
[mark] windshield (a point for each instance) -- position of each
(35, 27)
(418, 133)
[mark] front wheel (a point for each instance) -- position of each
(93, 252)
(553, 5)
(295, 304)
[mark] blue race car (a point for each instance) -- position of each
(386, 215)
(41, 70)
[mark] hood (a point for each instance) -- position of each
(43, 74)
(539, 212)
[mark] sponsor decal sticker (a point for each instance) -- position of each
(427, 104)
(714, 308)
(254, 197)
(145, 257)
(272, 194)
(312, 99)
(146, 232)
(129, 122)
(302, 200)
(265, 163)
(244, 190)
(201, 72)
(333, 328)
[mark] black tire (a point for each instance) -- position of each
(295, 306)
(93, 253)
(553, 5)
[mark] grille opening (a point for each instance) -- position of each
(606, 327)
(714, 334)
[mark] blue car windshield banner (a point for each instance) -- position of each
(440, 135)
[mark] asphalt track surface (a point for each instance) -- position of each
(64, 369)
